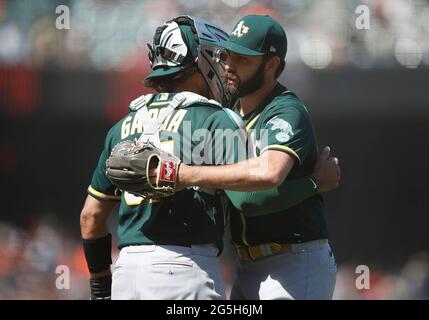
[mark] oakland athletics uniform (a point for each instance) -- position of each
(169, 247)
(283, 254)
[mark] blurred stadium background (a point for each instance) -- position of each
(366, 89)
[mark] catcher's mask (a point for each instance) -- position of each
(186, 41)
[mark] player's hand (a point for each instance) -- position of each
(327, 171)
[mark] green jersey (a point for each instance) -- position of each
(188, 217)
(283, 123)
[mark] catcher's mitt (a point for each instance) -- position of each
(128, 169)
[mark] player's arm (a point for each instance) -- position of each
(93, 224)
(266, 171)
(96, 238)
(285, 142)
(97, 245)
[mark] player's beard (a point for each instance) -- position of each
(243, 88)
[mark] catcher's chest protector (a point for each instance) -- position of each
(151, 127)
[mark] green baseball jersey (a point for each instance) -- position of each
(285, 196)
(283, 123)
(189, 216)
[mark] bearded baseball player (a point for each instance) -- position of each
(169, 245)
(282, 253)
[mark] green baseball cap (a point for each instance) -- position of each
(256, 35)
(174, 48)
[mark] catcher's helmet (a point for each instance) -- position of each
(185, 41)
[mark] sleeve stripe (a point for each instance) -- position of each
(102, 196)
(282, 148)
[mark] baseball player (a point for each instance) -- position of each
(169, 246)
(283, 254)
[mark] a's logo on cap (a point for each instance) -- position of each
(272, 49)
(240, 30)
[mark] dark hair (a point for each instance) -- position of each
(169, 83)
(280, 67)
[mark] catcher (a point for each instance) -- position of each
(169, 245)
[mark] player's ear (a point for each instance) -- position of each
(272, 64)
